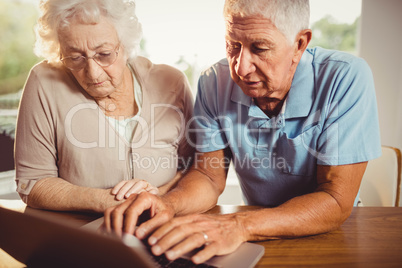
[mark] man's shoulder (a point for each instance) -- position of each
(335, 58)
(219, 67)
(217, 74)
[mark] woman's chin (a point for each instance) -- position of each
(99, 93)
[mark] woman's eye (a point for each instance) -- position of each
(105, 54)
(75, 58)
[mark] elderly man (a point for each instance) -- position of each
(298, 124)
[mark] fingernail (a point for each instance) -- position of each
(140, 233)
(170, 254)
(156, 250)
(196, 260)
(152, 240)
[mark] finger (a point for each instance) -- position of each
(116, 189)
(141, 204)
(154, 191)
(194, 241)
(206, 253)
(116, 217)
(137, 188)
(161, 217)
(174, 233)
(107, 219)
(163, 231)
(124, 189)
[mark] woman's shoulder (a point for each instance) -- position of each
(49, 75)
(145, 68)
(51, 79)
(162, 76)
(45, 69)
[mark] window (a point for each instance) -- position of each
(186, 34)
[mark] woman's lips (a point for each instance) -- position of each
(96, 84)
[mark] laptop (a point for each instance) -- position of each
(37, 239)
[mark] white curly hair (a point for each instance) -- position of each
(288, 16)
(57, 14)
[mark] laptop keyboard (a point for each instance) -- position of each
(180, 262)
(163, 262)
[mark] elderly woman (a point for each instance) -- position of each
(96, 122)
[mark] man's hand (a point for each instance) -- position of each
(135, 186)
(124, 217)
(219, 234)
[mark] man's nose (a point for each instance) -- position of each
(245, 64)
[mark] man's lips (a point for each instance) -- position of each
(252, 83)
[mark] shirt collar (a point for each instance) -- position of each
(301, 94)
(238, 96)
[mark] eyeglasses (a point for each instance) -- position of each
(103, 59)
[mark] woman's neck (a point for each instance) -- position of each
(121, 103)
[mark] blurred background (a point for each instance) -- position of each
(189, 34)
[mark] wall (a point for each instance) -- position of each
(381, 46)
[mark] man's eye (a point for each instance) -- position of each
(232, 46)
(260, 49)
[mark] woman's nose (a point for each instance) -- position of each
(92, 69)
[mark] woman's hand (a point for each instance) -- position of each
(135, 186)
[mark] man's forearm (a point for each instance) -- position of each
(305, 215)
(194, 193)
(171, 184)
(58, 194)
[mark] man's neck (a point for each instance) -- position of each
(271, 107)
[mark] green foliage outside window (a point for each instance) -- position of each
(16, 43)
(327, 33)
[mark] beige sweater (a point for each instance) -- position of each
(61, 131)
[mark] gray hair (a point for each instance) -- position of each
(57, 14)
(288, 16)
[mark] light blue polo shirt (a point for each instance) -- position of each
(329, 118)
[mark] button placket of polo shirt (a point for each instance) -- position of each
(266, 136)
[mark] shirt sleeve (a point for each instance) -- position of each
(209, 133)
(35, 150)
(350, 131)
(187, 141)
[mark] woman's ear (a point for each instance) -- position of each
(302, 40)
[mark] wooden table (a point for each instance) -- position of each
(371, 237)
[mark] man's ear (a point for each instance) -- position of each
(302, 40)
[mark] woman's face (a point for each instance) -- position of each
(87, 40)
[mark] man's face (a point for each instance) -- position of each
(260, 57)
